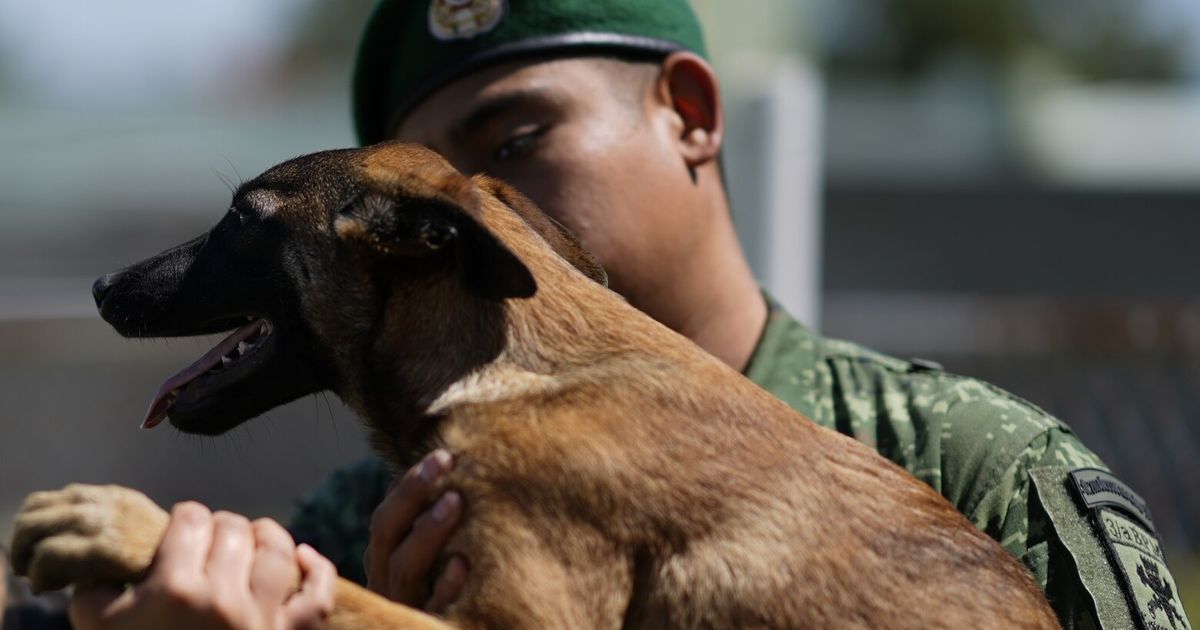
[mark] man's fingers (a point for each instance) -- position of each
(94, 608)
(275, 573)
(449, 585)
(314, 602)
(395, 515)
(232, 555)
(410, 563)
(186, 543)
(202, 578)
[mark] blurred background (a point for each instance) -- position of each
(1008, 187)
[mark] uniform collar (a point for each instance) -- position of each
(789, 361)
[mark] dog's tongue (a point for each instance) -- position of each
(158, 406)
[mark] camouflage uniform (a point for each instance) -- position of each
(1003, 462)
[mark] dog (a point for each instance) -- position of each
(614, 474)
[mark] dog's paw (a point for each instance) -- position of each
(86, 535)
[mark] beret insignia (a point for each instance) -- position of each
(463, 19)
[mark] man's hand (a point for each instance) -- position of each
(217, 571)
(407, 535)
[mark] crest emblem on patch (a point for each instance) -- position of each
(464, 19)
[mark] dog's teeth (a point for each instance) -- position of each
(264, 329)
(225, 361)
(242, 347)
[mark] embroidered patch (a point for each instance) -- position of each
(1124, 523)
(464, 19)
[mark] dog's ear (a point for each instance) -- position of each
(561, 239)
(406, 225)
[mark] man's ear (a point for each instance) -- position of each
(687, 86)
(401, 227)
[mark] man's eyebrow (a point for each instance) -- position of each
(493, 108)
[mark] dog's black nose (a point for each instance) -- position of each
(101, 286)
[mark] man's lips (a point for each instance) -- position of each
(241, 342)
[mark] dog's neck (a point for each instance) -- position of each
(569, 331)
(489, 352)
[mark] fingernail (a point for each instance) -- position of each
(430, 469)
(435, 464)
(191, 513)
(446, 506)
(456, 569)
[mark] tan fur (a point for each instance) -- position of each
(615, 475)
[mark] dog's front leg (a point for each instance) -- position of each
(356, 607)
(87, 535)
(108, 535)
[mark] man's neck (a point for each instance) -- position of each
(728, 318)
(718, 304)
(732, 334)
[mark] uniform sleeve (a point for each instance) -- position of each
(335, 517)
(1031, 512)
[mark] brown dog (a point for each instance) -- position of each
(615, 475)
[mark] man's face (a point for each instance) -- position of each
(586, 140)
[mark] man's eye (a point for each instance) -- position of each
(519, 145)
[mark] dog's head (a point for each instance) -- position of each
(334, 270)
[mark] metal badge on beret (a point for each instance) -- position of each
(464, 19)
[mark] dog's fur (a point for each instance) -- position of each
(615, 475)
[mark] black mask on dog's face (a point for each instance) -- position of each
(232, 277)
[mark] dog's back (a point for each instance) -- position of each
(611, 463)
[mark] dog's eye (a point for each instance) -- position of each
(521, 144)
(240, 212)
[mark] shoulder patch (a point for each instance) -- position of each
(1122, 520)
(1098, 488)
(1073, 531)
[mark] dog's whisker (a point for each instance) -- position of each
(250, 434)
(240, 180)
(337, 438)
(224, 180)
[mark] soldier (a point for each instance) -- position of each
(607, 115)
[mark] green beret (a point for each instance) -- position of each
(412, 47)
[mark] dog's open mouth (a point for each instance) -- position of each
(230, 361)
